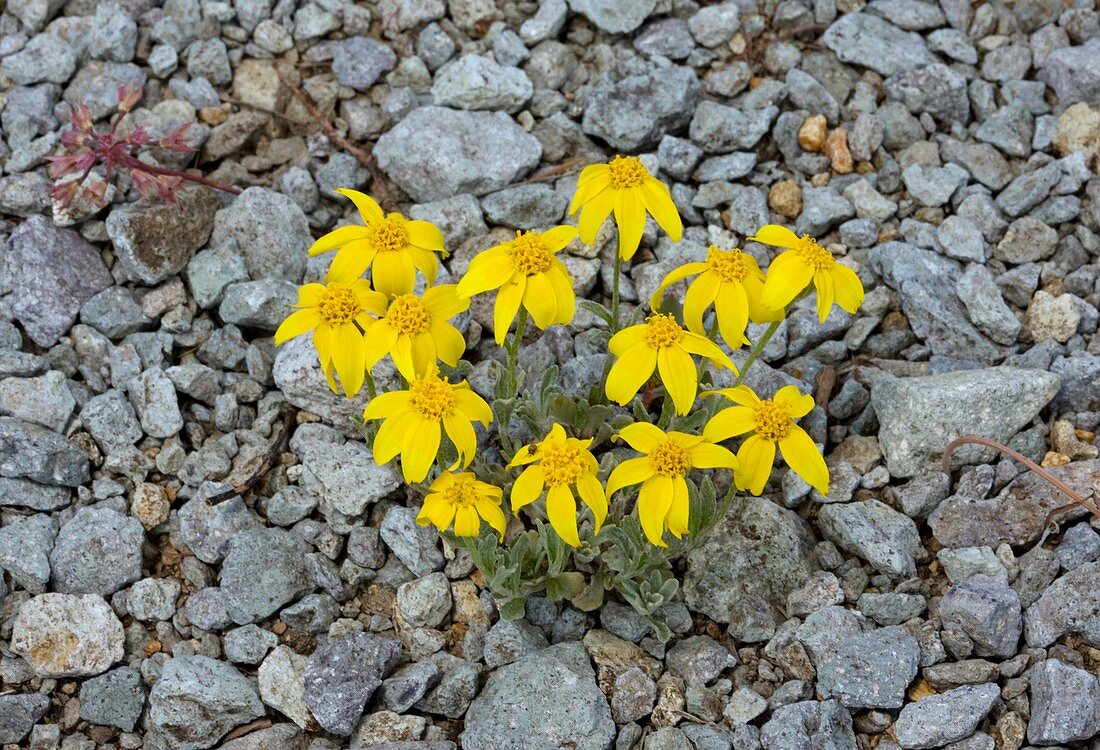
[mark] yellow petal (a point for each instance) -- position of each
(393, 274)
(507, 305)
(563, 293)
(368, 207)
(386, 404)
(679, 509)
(785, 283)
(297, 323)
(473, 406)
(627, 338)
(754, 460)
(595, 211)
(654, 500)
(591, 492)
(527, 487)
(425, 234)
(391, 435)
(337, 238)
(629, 373)
(419, 448)
(847, 286)
(801, 454)
(461, 433)
(592, 180)
(402, 354)
(643, 436)
(561, 509)
(443, 301)
(699, 296)
(707, 455)
(540, 300)
(423, 353)
(630, 219)
(678, 374)
(693, 343)
(449, 343)
(798, 404)
(436, 511)
(738, 394)
(379, 340)
(823, 282)
(373, 302)
(350, 261)
(730, 422)
(424, 261)
(467, 523)
(556, 238)
(673, 276)
(732, 309)
(658, 201)
(629, 472)
(758, 313)
(492, 514)
(349, 358)
(775, 235)
(485, 274)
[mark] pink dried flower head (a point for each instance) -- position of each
(176, 140)
(62, 193)
(163, 186)
(82, 119)
(128, 97)
(67, 164)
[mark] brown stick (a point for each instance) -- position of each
(385, 198)
(1053, 480)
(269, 460)
(548, 173)
(248, 728)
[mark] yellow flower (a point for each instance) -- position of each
(390, 245)
(412, 420)
(527, 273)
(626, 188)
(659, 343)
(560, 463)
(771, 423)
(462, 499)
(807, 261)
(414, 330)
(332, 310)
(732, 282)
(668, 457)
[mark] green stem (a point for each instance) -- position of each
(513, 347)
(369, 379)
(757, 349)
(616, 273)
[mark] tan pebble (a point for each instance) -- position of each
(811, 136)
(836, 148)
(785, 198)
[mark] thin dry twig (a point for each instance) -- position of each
(248, 728)
(549, 172)
(269, 460)
(1027, 462)
(381, 190)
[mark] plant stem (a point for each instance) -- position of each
(616, 273)
(513, 347)
(757, 349)
(369, 379)
(134, 163)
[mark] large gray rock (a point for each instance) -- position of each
(342, 675)
(870, 670)
(936, 720)
(1065, 704)
(721, 129)
(877, 44)
(297, 374)
(436, 152)
(1069, 605)
(614, 16)
(45, 400)
(263, 570)
(359, 61)
(988, 611)
(24, 550)
(259, 304)
(1074, 73)
(635, 112)
(98, 551)
(547, 700)
(207, 529)
(19, 713)
(919, 416)
(807, 724)
(268, 230)
(154, 398)
(64, 635)
(876, 532)
(197, 700)
(476, 82)
(155, 241)
(278, 737)
(925, 281)
(758, 550)
(27, 450)
(114, 699)
(54, 272)
(935, 89)
(111, 420)
(345, 476)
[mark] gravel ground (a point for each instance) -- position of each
(949, 151)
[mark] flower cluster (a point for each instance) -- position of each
(379, 299)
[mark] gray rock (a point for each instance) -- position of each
(24, 550)
(153, 397)
(29, 113)
(297, 374)
(425, 602)
(475, 82)
(115, 312)
(1080, 374)
(111, 420)
(525, 207)
(458, 684)
(758, 550)
(986, 307)
(614, 16)
(933, 186)
(44, 58)
(747, 212)
(891, 608)
(876, 44)
(44, 400)
(730, 167)
(206, 609)
(1065, 704)
(19, 713)
(54, 272)
(268, 230)
(278, 737)
(345, 476)
(635, 112)
(27, 450)
(1080, 545)
(207, 529)
(98, 551)
(984, 163)
(822, 208)
(211, 271)
(870, 670)
(263, 570)
(966, 562)
(406, 686)
(721, 129)
(154, 241)
(548, 700)
(86, 627)
(417, 547)
(259, 304)
(114, 699)
(808, 724)
(947, 717)
(713, 25)
(876, 532)
(153, 599)
(341, 676)
(458, 217)
(359, 62)
(113, 34)
(935, 89)
(919, 416)
(1029, 190)
(930, 304)
(248, 644)
(208, 58)
(699, 659)
(988, 611)
(508, 640)
(436, 152)
(1010, 129)
(1074, 73)
(1070, 605)
(197, 700)
(281, 679)
(669, 38)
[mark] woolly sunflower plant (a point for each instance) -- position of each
(655, 454)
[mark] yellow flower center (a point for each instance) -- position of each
(662, 330)
(529, 255)
(408, 315)
(627, 172)
(461, 494)
(728, 265)
(338, 305)
(562, 463)
(773, 422)
(389, 235)
(432, 398)
(813, 254)
(670, 460)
